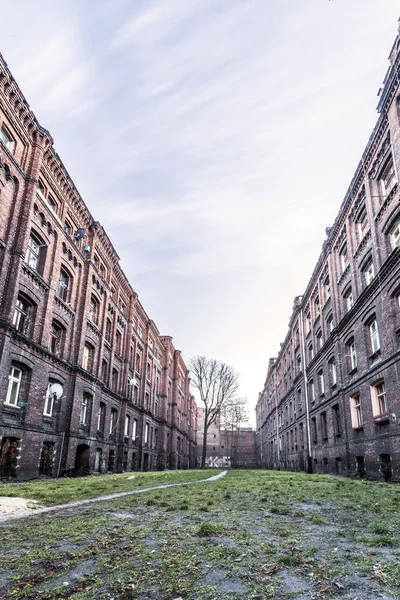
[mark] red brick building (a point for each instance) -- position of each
(331, 399)
(227, 448)
(87, 384)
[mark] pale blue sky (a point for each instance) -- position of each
(214, 140)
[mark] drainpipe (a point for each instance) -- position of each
(277, 430)
(303, 349)
(61, 451)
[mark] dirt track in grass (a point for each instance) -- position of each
(252, 534)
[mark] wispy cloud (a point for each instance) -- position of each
(222, 134)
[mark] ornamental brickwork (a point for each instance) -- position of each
(69, 316)
(331, 399)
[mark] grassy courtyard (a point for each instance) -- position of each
(252, 534)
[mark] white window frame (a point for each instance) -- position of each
(369, 272)
(353, 355)
(312, 390)
(85, 357)
(321, 382)
(127, 425)
(14, 379)
(363, 225)
(84, 410)
(100, 416)
(332, 366)
(6, 138)
(349, 300)
(49, 402)
(134, 429)
(388, 184)
(395, 235)
(344, 260)
(356, 411)
(374, 336)
(113, 416)
(146, 433)
(20, 314)
(378, 398)
(32, 255)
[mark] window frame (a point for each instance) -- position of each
(357, 418)
(13, 379)
(374, 336)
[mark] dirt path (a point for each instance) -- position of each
(18, 508)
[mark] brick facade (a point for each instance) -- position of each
(68, 315)
(331, 399)
(235, 449)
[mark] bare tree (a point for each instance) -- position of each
(234, 415)
(217, 384)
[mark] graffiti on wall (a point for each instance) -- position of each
(217, 462)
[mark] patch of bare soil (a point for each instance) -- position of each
(17, 506)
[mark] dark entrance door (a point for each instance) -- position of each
(8, 456)
(82, 460)
(46, 459)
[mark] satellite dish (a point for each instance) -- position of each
(56, 389)
(132, 381)
(79, 234)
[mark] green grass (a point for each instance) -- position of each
(59, 491)
(240, 537)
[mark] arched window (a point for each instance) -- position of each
(56, 338)
(35, 253)
(87, 359)
(64, 285)
(94, 310)
(23, 314)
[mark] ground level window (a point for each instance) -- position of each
(8, 457)
(46, 459)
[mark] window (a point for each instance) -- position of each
(352, 355)
(55, 339)
(369, 271)
(134, 430)
(332, 372)
(146, 433)
(108, 330)
(321, 382)
(395, 235)
(314, 434)
(312, 391)
(362, 225)
(6, 138)
(356, 411)
(68, 227)
(308, 322)
(14, 384)
(118, 342)
(378, 397)
(349, 300)
(330, 324)
(104, 370)
(101, 417)
(324, 426)
(320, 341)
(49, 402)
(113, 420)
(310, 352)
(21, 315)
(337, 429)
(114, 380)
(388, 179)
(344, 261)
(138, 362)
(327, 288)
(317, 308)
(33, 253)
(87, 358)
(84, 409)
(94, 310)
(127, 425)
(63, 284)
(373, 332)
(52, 203)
